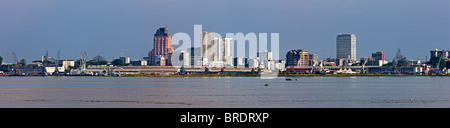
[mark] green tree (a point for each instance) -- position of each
(117, 62)
(47, 63)
(435, 60)
(389, 64)
(98, 60)
(23, 62)
(402, 62)
(1, 60)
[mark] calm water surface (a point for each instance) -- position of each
(328, 92)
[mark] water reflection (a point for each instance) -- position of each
(224, 92)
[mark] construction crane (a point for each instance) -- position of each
(83, 58)
(17, 70)
(363, 66)
(313, 69)
(320, 68)
(398, 57)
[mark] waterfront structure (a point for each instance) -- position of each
(138, 62)
(377, 59)
(312, 59)
(160, 61)
(447, 64)
(390, 70)
(125, 60)
(239, 62)
(440, 53)
(345, 62)
(162, 46)
(66, 63)
(346, 46)
(297, 58)
(378, 56)
(281, 65)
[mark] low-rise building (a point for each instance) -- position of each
(253, 63)
(139, 62)
(66, 63)
(391, 70)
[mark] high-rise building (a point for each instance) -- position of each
(440, 53)
(207, 47)
(346, 46)
(297, 58)
(223, 48)
(162, 46)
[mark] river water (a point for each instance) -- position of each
(206, 92)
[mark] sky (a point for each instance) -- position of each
(104, 27)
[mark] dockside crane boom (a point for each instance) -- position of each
(17, 70)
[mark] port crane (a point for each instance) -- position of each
(320, 68)
(363, 66)
(56, 72)
(17, 69)
(398, 57)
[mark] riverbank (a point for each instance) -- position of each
(280, 75)
(253, 75)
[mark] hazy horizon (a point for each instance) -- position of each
(31, 27)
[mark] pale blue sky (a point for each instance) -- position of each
(103, 27)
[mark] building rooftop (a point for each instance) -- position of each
(345, 34)
(162, 32)
(298, 51)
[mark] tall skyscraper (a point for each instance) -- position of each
(162, 46)
(207, 47)
(224, 51)
(346, 46)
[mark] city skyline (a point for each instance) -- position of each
(30, 28)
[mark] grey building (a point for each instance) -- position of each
(443, 54)
(378, 56)
(195, 56)
(346, 46)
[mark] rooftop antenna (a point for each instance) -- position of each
(121, 52)
(46, 55)
(57, 63)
